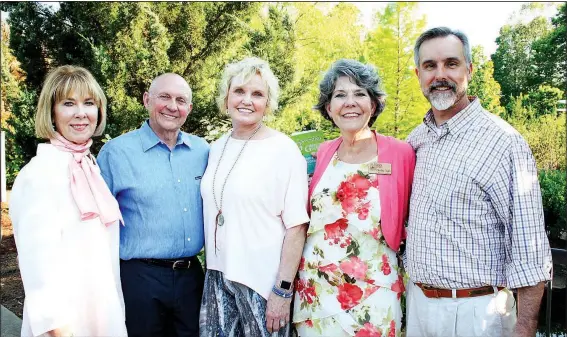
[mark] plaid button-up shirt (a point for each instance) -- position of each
(476, 215)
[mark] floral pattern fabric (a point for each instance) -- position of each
(349, 282)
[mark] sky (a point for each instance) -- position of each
(480, 21)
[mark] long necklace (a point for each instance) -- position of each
(219, 220)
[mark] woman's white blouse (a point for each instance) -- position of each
(70, 268)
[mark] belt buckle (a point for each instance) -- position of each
(180, 262)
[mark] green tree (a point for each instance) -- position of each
(543, 101)
(126, 44)
(483, 84)
(547, 140)
(12, 76)
(514, 57)
(28, 38)
(390, 48)
(317, 45)
(549, 57)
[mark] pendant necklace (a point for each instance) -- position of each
(219, 219)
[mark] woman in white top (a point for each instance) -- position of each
(254, 202)
(65, 219)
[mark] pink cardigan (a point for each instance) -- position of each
(395, 189)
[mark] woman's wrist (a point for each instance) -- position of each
(282, 293)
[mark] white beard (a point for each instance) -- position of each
(442, 100)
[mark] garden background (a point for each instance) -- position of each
(126, 44)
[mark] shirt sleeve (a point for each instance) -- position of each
(295, 201)
(34, 211)
(517, 199)
(103, 162)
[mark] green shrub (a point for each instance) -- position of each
(553, 184)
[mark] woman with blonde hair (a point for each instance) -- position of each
(254, 204)
(65, 220)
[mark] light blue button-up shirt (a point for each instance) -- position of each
(158, 191)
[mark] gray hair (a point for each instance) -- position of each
(436, 32)
(246, 69)
(363, 75)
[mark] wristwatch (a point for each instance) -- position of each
(285, 285)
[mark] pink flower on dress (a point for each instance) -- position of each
(346, 191)
(306, 290)
(330, 268)
(354, 267)
(386, 269)
(392, 332)
(363, 210)
(336, 230)
(349, 295)
(368, 330)
(374, 181)
(370, 289)
(361, 184)
(309, 323)
(376, 233)
(398, 286)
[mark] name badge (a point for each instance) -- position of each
(380, 168)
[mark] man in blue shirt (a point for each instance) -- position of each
(155, 174)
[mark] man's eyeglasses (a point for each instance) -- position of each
(180, 101)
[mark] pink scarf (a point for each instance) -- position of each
(92, 196)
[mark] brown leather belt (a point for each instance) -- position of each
(433, 292)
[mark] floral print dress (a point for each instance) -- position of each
(349, 283)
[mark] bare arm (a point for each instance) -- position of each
(277, 308)
(529, 300)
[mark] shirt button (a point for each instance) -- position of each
(185, 209)
(178, 180)
(188, 239)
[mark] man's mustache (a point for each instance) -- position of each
(439, 84)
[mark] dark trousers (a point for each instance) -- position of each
(160, 301)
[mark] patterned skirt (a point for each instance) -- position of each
(231, 309)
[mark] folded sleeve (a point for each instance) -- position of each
(517, 199)
(294, 211)
(34, 211)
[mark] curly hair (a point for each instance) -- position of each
(363, 75)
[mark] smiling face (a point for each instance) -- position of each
(444, 74)
(247, 102)
(76, 118)
(351, 106)
(168, 102)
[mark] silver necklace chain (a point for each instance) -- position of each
(219, 206)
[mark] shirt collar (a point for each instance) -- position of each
(150, 139)
(458, 123)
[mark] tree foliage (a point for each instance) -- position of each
(514, 57)
(12, 76)
(390, 48)
(483, 85)
(549, 56)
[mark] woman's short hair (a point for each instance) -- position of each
(246, 69)
(363, 75)
(61, 83)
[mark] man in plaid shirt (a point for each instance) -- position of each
(476, 224)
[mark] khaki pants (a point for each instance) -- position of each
(489, 315)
